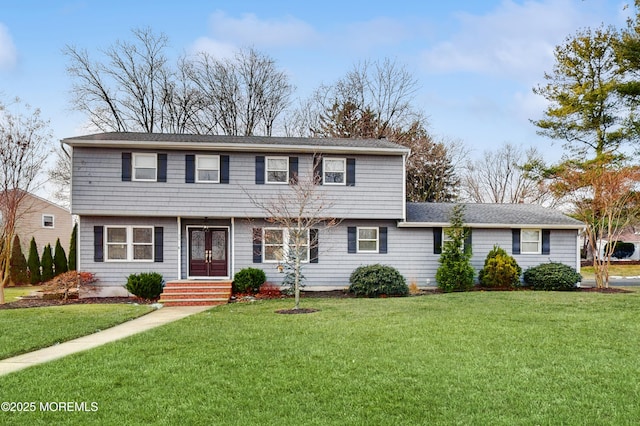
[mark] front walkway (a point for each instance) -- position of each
(146, 322)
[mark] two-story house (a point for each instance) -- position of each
(184, 206)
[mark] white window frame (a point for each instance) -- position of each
(358, 239)
(128, 243)
(285, 245)
(445, 236)
(344, 171)
(134, 159)
(523, 241)
(267, 170)
(198, 168)
(53, 221)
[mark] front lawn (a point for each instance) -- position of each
(614, 270)
(25, 330)
(11, 294)
(498, 358)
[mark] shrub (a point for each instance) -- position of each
(34, 263)
(73, 248)
(146, 285)
(500, 270)
(248, 280)
(60, 264)
(621, 250)
(19, 271)
(47, 263)
(376, 280)
(455, 272)
(552, 276)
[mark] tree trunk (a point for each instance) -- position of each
(296, 285)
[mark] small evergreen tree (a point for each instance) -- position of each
(59, 260)
(18, 271)
(455, 272)
(47, 263)
(73, 244)
(500, 269)
(34, 263)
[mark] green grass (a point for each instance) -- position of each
(499, 358)
(25, 330)
(619, 270)
(11, 294)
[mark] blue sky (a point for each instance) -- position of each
(476, 61)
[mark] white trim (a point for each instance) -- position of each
(266, 170)
(179, 223)
(404, 224)
(358, 239)
(199, 277)
(232, 243)
(198, 157)
(53, 221)
(344, 171)
(133, 166)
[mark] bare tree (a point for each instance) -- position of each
(299, 208)
(60, 176)
(506, 175)
(24, 137)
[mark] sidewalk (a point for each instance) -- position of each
(146, 322)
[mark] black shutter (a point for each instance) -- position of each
(382, 236)
(257, 244)
(515, 241)
(189, 168)
(293, 170)
(158, 244)
(224, 169)
(162, 167)
(546, 241)
(98, 244)
(352, 239)
(126, 167)
(313, 246)
(351, 172)
(259, 170)
(437, 240)
(317, 169)
(467, 241)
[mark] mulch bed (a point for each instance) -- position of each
(37, 303)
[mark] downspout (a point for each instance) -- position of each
(179, 222)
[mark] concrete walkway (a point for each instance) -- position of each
(146, 322)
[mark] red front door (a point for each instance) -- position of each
(208, 252)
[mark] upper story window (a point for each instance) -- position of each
(334, 171)
(208, 168)
(145, 167)
(48, 221)
(367, 240)
(277, 169)
(129, 243)
(530, 241)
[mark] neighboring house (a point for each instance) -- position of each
(44, 221)
(181, 205)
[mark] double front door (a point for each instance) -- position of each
(208, 252)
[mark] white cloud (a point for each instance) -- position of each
(250, 30)
(8, 53)
(516, 39)
(215, 48)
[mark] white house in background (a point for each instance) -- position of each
(181, 205)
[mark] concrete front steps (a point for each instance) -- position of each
(195, 293)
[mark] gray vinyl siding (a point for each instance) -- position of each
(410, 250)
(98, 189)
(114, 274)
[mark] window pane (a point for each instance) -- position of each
(146, 174)
(209, 163)
(142, 252)
(277, 164)
(277, 177)
(142, 235)
(334, 177)
(117, 251)
(530, 247)
(273, 253)
(334, 165)
(273, 236)
(147, 161)
(47, 221)
(367, 245)
(367, 234)
(116, 235)
(530, 235)
(208, 175)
